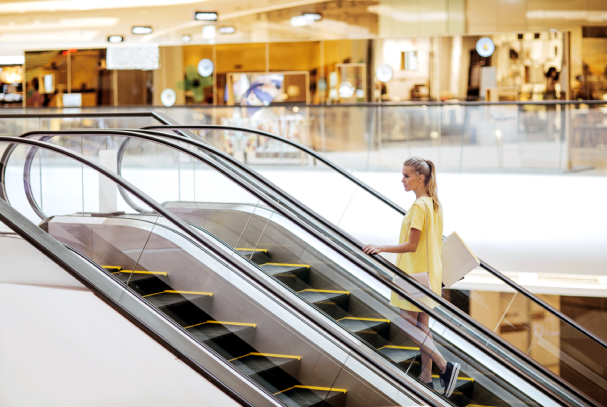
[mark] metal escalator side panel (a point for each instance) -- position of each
(134, 310)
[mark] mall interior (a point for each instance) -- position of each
(187, 188)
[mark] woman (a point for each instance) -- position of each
(419, 251)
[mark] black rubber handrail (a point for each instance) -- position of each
(315, 320)
(289, 142)
(388, 202)
(72, 264)
(306, 227)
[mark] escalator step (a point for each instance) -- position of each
(334, 303)
(315, 296)
(255, 362)
(276, 269)
(463, 386)
(169, 298)
(229, 339)
(137, 276)
(294, 276)
(372, 330)
(216, 329)
(400, 354)
(365, 324)
(259, 256)
(311, 396)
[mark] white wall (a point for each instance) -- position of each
(65, 347)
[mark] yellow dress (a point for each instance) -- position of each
(417, 262)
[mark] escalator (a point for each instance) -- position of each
(575, 368)
(329, 278)
(262, 348)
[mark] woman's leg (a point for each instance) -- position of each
(415, 325)
(423, 321)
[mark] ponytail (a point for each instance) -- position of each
(428, 170)
(431, 185)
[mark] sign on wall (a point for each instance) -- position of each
(143, 57)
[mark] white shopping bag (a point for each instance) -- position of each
(458, 260)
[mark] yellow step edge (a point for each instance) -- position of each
(366, 319)
(179, 292)
(268, 355)
(399, 347)
(252, 250)
(312, 388)
(324, 291)
(112, 267)
(222, 323)
(285, 264)
(187, 292)
(156, 273)
(469, 379)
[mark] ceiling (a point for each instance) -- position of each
(62, 24)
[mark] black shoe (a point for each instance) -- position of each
(449, 378)
(430, 385)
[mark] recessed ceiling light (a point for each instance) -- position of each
(186, 38)
(205, 16)
(208, 32)
(115, 38)
(141, 30)
(227, 30)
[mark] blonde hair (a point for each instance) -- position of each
(428, 170)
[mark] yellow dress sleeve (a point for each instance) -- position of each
(418, 217)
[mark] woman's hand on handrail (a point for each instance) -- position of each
(408, 247)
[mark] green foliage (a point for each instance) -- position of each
(194, 82)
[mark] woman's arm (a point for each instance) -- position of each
(406, 247)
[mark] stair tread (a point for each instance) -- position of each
(461, 384)
(134, 277)
(249, 252)
(165, 299)
(259, 256)
(303, 397)
(357, 325)
(399, 355)
(276, 268)
(318, 296)
(210, 330)
(255, 363)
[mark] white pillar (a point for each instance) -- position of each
(456, 56)
(108, 193)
